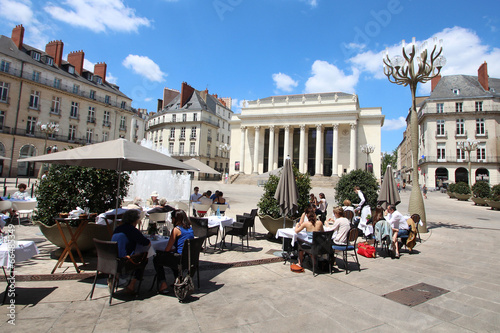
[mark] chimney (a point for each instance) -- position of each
(169, 95)
(186, 92)
(55, 50)
(216, 96)
(482, 76)
(100, 70)
(76, 59)
(18, 36)
(435, 81)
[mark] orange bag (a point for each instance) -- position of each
(366, 250)
(296, 268)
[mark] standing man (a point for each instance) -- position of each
(195, 197)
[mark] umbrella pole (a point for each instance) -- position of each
(117, 193)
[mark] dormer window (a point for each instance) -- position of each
(98, 79)
(35, 55)
(456, 91)
(90, 77)
(49, 61)
(71, 69)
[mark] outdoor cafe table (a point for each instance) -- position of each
(72, 243)
(22, 250)
(222, 222)
(290, 233)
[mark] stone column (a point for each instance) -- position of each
(242, 149)
(270, 162)
(256, 150)
(319, 150)
(335, 150)
(352, 160)
(302, 148)
(286, 144)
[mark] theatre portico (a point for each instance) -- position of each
(321, 132)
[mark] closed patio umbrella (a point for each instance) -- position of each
(203, 168)
(389, 194)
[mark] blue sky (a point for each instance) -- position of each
(250, 49)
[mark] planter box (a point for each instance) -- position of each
(462, 197)
(272, 225)
(479, 201)
(493, 204)
(451, 195)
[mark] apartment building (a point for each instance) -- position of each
(40, 90)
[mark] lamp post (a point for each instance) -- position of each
(416, 65)
(468, 146)
(48, 129)
(224, 147)
(367, 149)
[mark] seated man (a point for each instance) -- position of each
(128, 238)
(205, 199)
(398, 224)
(153, 200)
(162, 207)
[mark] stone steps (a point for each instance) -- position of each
(316, 181)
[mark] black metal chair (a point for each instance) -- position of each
(350, 246)
(252, 215)
(238, 228)
(201, 229)
(321, 244)
(109, 263)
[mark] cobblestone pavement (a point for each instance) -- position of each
(247, 292)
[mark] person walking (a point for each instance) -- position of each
(424, 190)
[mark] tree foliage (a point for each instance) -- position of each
(366, 182)
(388, 159)
(68, 187)
(481, 189)
(461, 188)
(269, 206)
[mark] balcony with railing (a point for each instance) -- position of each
(460, 134)
(123, 128)
(106, 123)
(91, 120)
(457, 159)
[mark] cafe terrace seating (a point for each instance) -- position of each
(222, 208)
(321, 244)
(24, 207)
(201, 209)
(350, 246)
(201, 229)
(252, 215)
(239, 228)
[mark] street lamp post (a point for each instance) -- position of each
(48, 129)
(367, 149)
(224, 147)
(416, 65)
(468, 146)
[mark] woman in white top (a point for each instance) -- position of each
(341, 225)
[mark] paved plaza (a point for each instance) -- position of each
(253, 292)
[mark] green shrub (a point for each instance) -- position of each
(462, 188)
(68, 187)
(269, 206)
(481, 189)
(495, 192)
(451, 187)
(366, 182)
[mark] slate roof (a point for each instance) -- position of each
(469, 87)
(8, 48)
(194, 103)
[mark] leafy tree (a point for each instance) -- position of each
(269, 206)
(68, 187)
(462, 188)
(481, 189)
(388, 159)
(366, 182)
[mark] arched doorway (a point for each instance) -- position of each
(441, 176)
(23, 168)
(482, 174)
(461, 175)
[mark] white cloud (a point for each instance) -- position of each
(327, 78)
(284, 82)
(16, 11)
(87, 64)
(312, 3)
(237, 105)
(111, 79)
(148, 99)
(394, 124)
(145, 67)
(98, 15)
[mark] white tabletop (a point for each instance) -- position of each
(221, 221)
(290, 233)
(23, 250)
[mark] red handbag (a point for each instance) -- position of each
(366, 250)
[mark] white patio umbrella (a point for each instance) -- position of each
(203, 168)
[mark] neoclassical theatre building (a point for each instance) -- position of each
(322, 133)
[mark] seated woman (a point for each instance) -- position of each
(21, 194)
(313, 201)
(172, 254)
(348, 205)
(341, 225)
(219, 199)
(309, 222)
(130, 240)
(377, 216)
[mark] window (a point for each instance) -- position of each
(73, 113)
(123, 105)
(57, 83)
(71, 69)
(193, 132)
(105, 136)
(209, 149)
(479, 106)
(217, 137)
(480, 127)
(90, 77)
(36, 76)
(173, 118)
(460, 127)
(439, 107)
(4, 91)
(183, 132)
(106, 121)
(481, 152)
(172, 133)
(98, 80)
(456, 91)
(76, 89)
(181, 148)
(192, 148)
(35, 55)
(440, 127)
(209, 135)
(92, 94)
(107, 99)
(34, 99)
(88, 135)
(460, 155)
(441, 152)
(228, 139)
(91, 115)
(222, 139)
(195, 117)
(123, 121)
(56, 105)
(72, 133)
(2, 119)
(49, 61)
(184, 117)
(171, 147)
(459, 107)
(30, 126)
(4, 66)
